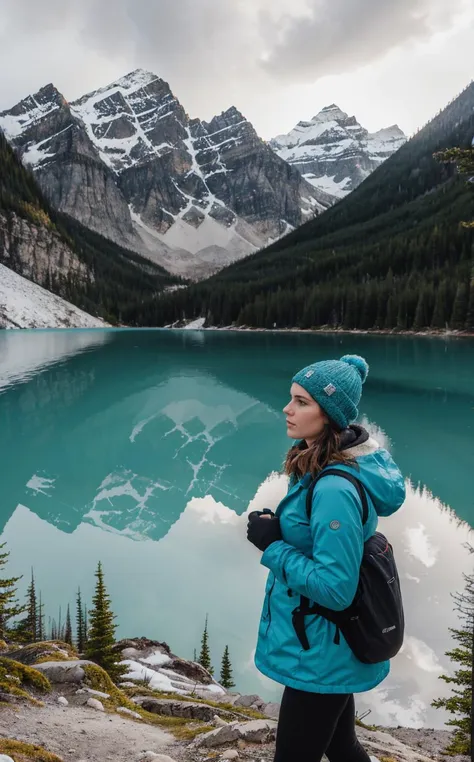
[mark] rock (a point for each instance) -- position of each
(151, 755)
(64, 671)
(63, 701)
(95, 704)
(30, 654)
(92, 692)
(230, 754)
(190, 669)
(257, 731)
(219, 722)
(171, 708)
(127, 685)
(129, 712)
(271, 710)
(5, 758)
(248, 701)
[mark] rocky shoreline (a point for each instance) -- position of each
(166, 709)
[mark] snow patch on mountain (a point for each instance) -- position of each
(24, 304)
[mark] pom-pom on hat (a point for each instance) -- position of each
(336, 385)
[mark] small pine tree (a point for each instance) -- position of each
(101, 637)
(68, 627)
(41, 630)
(9, 606)
(80, 624)
(226, 670)
(27, 628)
(205, 656)
(460, 703)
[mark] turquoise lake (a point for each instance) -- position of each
(144, 449)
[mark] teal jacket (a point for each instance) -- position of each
(321, 560)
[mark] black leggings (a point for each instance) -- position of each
(313, 724)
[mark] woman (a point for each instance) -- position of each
(320, 559)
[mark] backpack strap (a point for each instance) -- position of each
(306, 607)
(345, 475)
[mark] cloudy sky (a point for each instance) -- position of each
(386, 61)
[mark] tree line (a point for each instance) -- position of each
(94, 631)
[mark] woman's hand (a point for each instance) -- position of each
(263, 529)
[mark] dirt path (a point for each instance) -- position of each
(82, 734)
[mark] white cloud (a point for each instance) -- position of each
(386, 62)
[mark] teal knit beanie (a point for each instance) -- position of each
(336, 385)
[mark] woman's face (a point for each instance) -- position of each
(305, 419)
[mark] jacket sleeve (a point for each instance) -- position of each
(330, 577)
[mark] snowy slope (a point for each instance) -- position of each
(23, 304)
(334, 152)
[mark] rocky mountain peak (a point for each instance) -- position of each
(31, 110)
(334, 152)
(330, 113)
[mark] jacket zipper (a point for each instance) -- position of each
(269, 609)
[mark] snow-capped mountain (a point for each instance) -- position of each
(334, 152)
(128, 162)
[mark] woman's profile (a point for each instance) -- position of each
(316, 556)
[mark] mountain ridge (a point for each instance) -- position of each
(128, 162)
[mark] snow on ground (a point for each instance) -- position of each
(24, 304)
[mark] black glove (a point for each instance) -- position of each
(263, 532)
(255, 514)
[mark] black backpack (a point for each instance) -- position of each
(374, 623)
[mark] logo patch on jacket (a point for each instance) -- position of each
(335, 524)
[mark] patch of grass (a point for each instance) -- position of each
(25, 752)
(14, 676)
(388, 759)
(54, 656)
(180, 727)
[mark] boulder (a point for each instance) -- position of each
(230, 754)
(190, 669)
(257, 731)
(248, 701)
(271, 710)
(32, 653)
(219, 722)
(95, 704)
(5, 758)
(170, 708)
(154, 757)
(64, 671)
(63, 701)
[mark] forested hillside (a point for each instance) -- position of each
(65, 257)
(392, 255)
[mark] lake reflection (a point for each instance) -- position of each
(146, 450)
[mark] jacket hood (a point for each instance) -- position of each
(377, 470)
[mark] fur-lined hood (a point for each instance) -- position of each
(377, 470)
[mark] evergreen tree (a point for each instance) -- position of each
(9, 606)
(226, 670)
(470, 308)
(27, 628)
(460, 703)
(41, 630)
(101, 637)
(81, 636)
(68, 627)
(205, 656)
(459, 314)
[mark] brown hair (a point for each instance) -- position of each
(326, 449)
